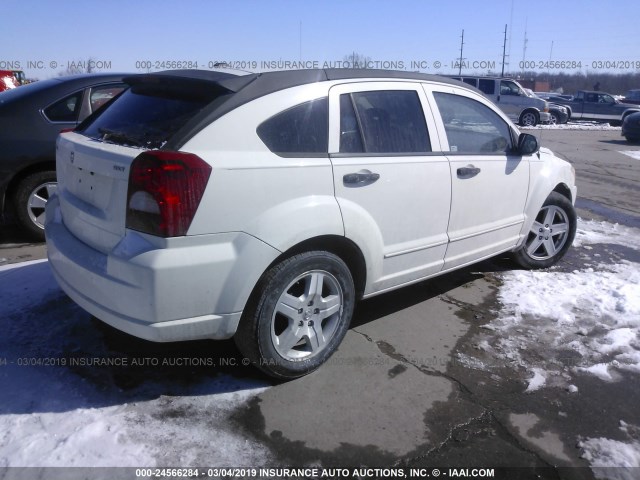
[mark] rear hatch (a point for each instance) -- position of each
(93, 161)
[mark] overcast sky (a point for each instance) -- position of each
(42, 37)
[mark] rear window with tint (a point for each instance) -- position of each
(389, 122)
(303, 129)
(488, 87)
(147, 116)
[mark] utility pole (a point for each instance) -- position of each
(524, 46)
(504, 49)
(460, 62)
(300, 40)
(510, 31)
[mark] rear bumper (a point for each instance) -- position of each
(190, 288)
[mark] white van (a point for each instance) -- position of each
(512, 99)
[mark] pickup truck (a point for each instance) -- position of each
(600, 106)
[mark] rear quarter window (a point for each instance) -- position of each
(303, 129)
(65, 110)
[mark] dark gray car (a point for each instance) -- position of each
(631, 128)
(31, 117)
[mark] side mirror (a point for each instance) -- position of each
(527, 144)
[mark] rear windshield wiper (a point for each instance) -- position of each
(122, 138)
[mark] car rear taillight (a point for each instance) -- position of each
(165, 189)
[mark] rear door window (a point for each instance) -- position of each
(486, 86)
(303, 129)
(388, 121)
(350, 134)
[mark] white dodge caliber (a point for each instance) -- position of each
(203, 205)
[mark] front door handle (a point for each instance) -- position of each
(361, 178)
(468, 172)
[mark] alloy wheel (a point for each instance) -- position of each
(307, 315)
(548, 234)
(38, 200)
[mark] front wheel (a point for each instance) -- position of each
(551, 234)
(298, 315)
(529, 119)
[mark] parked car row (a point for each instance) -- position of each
(512, 98)
(599, 106)
(558, 113)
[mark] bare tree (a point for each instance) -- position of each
(357, 60)
(77, 67)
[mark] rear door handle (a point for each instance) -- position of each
(361, 178)
(468, 172)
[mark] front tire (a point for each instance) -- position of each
(551, 234)
(298, 315)
(529, 119)
(30, 199)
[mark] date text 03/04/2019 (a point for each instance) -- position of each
(313, 472)
(579, 64)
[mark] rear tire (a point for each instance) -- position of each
(298, 315)
(551, 234)
(30, 199)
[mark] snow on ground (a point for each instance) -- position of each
(57, 415)
(603, 454)
(589, 318)
(602, 232)
(573, 126)
(631, 153)
(538, 380)
(556, 325)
